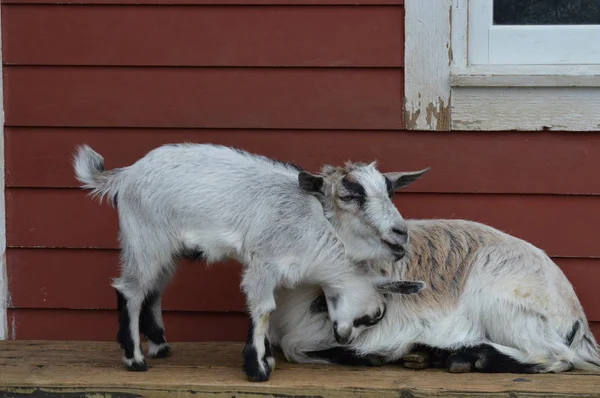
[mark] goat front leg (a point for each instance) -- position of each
(258, 358)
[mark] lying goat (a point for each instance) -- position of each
(220, 202)
(494, 303)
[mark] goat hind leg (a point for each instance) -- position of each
(129, 303)
(151, 325)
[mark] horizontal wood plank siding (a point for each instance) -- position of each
(309, 81)
(205, 36)
(68, 218)
(60, 324)
(101, 325)
(472, 162)
(193, 289)
(55, 270)
(203, 97)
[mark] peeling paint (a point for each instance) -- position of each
(13, 328)
(410, 119)
(449, 43)
(441, 114)
(428, 52)
(5, 298)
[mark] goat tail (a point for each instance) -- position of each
(587, 351)
(89, 170)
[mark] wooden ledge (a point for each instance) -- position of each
(74, 369)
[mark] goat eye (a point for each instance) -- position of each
(377, 314)
(346, 198)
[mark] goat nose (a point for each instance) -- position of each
(402, 231)
(342, 337)
(401, 234)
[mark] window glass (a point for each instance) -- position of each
(546, 12)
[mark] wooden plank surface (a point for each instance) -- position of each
(469, 162)
(561, 225)
(203, 97)
(203, 36)
(102, 325)
(196, 287)
(48, 369)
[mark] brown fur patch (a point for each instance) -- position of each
(441, 254)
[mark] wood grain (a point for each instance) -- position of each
(46, 369)
(203, 97)
(102, 325)
(428, 55)
(195, 287)
(526, 108)
(461, 162)
(559, 224)
(263, 36)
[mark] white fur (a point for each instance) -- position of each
(154, 349)
(231, 204)
(514, 298)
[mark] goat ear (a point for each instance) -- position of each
(403, 178)
(310, 183)
(401, 287)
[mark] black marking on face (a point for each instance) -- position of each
(390, 187)
(116, 200)
(355, 192)
(572, 333)
(319, 305)
(370, 320)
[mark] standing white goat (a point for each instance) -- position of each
(494, 303)
(219, 202)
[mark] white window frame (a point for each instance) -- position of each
(528, 44)
(444, 90)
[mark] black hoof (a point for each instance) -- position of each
(163, 352)
(138, 366)
(254, 373)
(460, 367)
(372, 361)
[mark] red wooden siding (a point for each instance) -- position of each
(67, 218)
(203, 97)
(205, 36)
(94, 269)
(318, 82)
(59, 324)
(472, 162)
